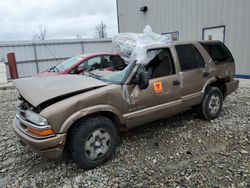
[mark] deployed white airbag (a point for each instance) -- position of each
(133, 46)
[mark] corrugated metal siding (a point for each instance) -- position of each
(34, 57)
(189, 18)
(58, 50)
(23, 53)
(42, 66)
(26, 69)
(98, 47)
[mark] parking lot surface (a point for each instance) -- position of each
(182, 151)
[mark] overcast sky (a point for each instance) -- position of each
(19, 19)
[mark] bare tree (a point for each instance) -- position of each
(101, 30)
(42, 33)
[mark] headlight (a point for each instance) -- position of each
(36, 118)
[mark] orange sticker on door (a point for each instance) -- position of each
(158, 87)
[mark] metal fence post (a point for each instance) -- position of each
(12, 65)
(82, 43)
(35, 54)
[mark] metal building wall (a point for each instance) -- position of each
(34, 57)
(189, 17)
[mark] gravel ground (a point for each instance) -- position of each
(183, 151)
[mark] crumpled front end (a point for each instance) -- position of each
(40, 138)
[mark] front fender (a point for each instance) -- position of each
(87, 111)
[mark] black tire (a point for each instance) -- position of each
(212, 103)
(82, 135)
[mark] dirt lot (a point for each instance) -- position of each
(183, 151)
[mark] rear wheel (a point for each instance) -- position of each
(212, 103)
(93, 141)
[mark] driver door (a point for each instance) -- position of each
(160, 99)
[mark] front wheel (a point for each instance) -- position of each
(212, 103)
(93, 141)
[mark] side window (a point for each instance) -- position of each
(105, 62)
(111, 61)
(199, 58)
(82, 64)
(88, 65)
(116, 60)
(189, 57)
(217, 52)
(161, 65)
(95, 61)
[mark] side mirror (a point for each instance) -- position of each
(143, 80)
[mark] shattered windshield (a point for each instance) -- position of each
(65, 64)
(111, 76)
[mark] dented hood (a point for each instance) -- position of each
(37, 90)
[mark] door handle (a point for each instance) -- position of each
(205, 74)
(176, 82)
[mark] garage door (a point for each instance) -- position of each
(214, 33)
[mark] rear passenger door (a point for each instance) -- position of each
(193, 74)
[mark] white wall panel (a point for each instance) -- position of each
(189, 17)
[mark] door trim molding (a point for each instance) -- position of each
(191, 96)
(141, 112)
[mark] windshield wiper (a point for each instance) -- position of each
(93, 75)
(50, 69)
(54, 69)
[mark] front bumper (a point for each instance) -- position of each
(232, 86)
(51, 147)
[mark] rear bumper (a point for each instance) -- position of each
(232, 86)
(51, 147)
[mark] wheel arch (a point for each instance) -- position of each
(107, 111)
(216, 82)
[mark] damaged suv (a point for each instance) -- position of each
(83, 114)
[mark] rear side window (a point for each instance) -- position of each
(217, 52)
(189, 57)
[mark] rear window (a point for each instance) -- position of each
(218, 52)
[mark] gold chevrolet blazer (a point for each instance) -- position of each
(82, 115)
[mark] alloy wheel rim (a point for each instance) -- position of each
(214, 104)
(97, 144)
